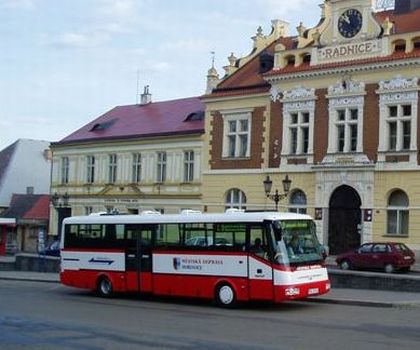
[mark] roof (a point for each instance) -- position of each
(247, 80)
(238, 217)
(5, 159)
(396, 56)
(164, 118)
(28, 206)
(15, 174)
(403, 22)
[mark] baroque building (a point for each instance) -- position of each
(132, 158)
(336, 108)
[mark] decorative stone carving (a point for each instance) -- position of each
(398, 97)
(275, 94)
(398, 83)
(300, 106)
(346, 101)
(299, 93)
(347, 86)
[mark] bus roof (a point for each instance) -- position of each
(185, 218)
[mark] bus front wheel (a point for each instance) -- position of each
(225, 295)
(104, 288)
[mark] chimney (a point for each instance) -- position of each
(145, 97)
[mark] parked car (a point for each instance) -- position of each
(53, 249)
(388, 256)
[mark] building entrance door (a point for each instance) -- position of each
(344, 220)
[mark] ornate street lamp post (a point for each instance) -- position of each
(277, 197)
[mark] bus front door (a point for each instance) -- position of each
(139, 258)
(260, 270)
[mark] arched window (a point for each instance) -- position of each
(235, 198)
(297, 202)
(398, 214)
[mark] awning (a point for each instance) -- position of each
(7, 221)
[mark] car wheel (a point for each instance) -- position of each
(105, 288)
(389, 268)
(225, 296)
(345, 265)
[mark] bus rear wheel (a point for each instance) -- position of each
(105, 288)
(225, 296)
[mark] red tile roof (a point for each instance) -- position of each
(247, 80)
(403, 22)
(28, 206)
(398, 55)
(40, 210)
(137, 121)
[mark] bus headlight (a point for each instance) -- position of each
(290, 291)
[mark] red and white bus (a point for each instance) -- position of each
(229, 257)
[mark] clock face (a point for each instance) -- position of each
(350, 23)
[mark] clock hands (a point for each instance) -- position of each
(345, 18)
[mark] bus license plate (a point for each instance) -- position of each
(313, 291)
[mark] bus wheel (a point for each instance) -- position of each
(105, 289)
(225, 295)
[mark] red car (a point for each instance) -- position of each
(388, 256)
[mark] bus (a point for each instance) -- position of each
(229, 257)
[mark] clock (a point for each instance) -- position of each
(350, 23)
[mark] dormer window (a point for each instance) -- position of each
(291, 60)
(306, 58)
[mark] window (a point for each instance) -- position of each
(161, 167)
(65, 164)
(299, 133)
(112, 168)
(346, 124)
(237, 136)
(397, 214)
(297, 203)
(235, 198)
(90, 169)
(398, 125)
(188, 166)
(88, 210)
(136, 175)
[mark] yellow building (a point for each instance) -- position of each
(336, 109)
(131, 159)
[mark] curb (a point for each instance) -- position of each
(28, 279)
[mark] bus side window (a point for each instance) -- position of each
(257, 241)
(167, 235)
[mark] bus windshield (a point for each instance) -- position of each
(296, 243)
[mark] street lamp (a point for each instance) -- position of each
(277, 197)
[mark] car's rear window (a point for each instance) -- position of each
(401, 247)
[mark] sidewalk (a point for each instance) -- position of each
(342, 296)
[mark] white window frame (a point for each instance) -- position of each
(161, 165)
(236, 116)
(90, 168)
(299, 126)
(112, 168)
(230, 201)
(295, 207)
(347, 123)
(65, 170)
(189, 166)
(300, 101)
(399, 209)
(398, 92)
(137, 167)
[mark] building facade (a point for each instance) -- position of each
(131, 159)
(336, 109)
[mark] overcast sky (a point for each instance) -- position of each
(65, 62)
